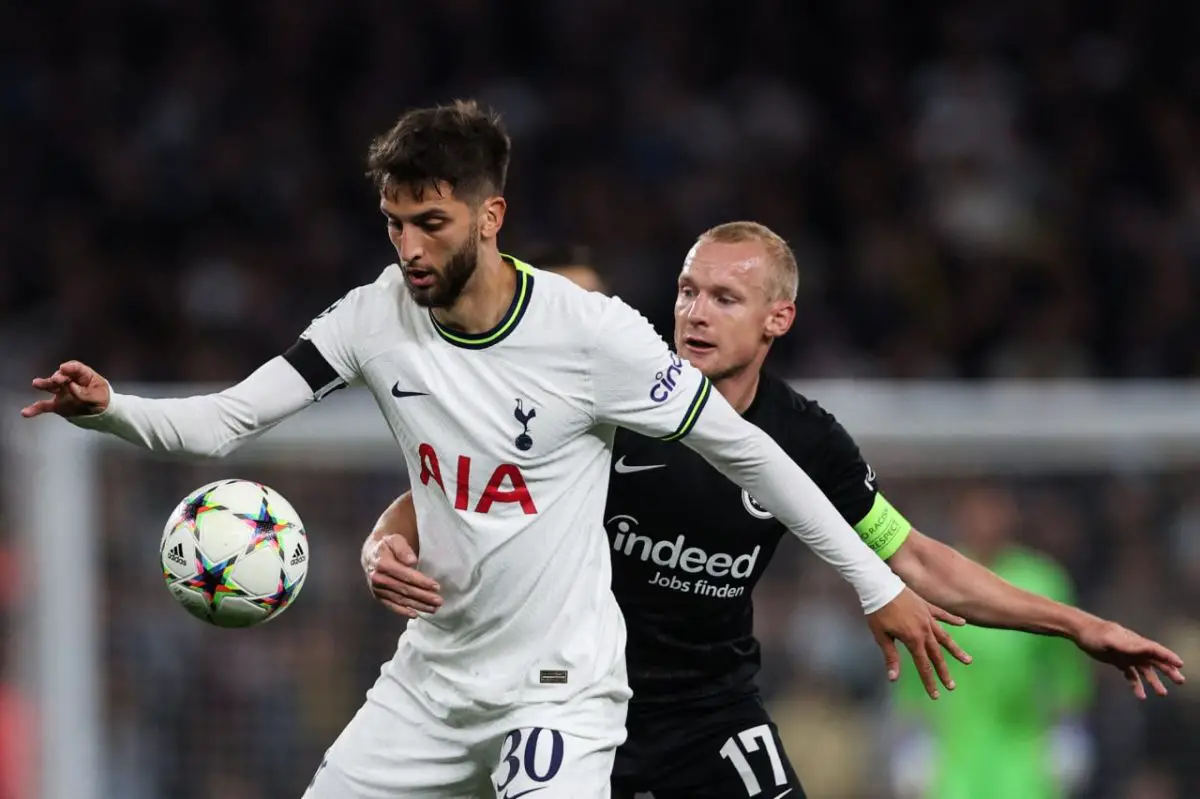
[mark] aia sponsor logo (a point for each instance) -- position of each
(507, 484)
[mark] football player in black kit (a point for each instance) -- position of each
(689, 546)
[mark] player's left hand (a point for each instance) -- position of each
(1136, 657)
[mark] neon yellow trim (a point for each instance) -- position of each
(689, 421)
(520, 265)
(524, 272)
(883, 528)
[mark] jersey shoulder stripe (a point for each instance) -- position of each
(703, 391)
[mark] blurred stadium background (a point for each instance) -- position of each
(996, 207)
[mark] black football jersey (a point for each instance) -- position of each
(689, 545)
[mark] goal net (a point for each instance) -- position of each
(132, 697)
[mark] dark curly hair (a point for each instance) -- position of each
(459, 144)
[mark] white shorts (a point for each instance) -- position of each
(401, 744)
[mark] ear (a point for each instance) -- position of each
(780, 318)
(491, 217)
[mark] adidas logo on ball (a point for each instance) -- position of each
(223, 549)
(176, 554)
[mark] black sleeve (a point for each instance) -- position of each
(837, 467)
(306, 359)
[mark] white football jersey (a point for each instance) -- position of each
(507, 437)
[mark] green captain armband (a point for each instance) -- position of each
(883, 528)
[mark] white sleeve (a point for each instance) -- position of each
(208, 425)
(638, 382)
(642, 385)
(324, 355)
(321, 361)
(749, 457)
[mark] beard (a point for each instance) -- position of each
(449, 282)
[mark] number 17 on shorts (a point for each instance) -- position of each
(547, 764)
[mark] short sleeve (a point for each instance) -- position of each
(324, 354)
(837, 467)
(638, 382)
(842, 474)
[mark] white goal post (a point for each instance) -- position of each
(51, 474)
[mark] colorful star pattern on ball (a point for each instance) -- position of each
(287, 589)
(266, 527)
(211, 558)
(281, 598)
(210, 579)
(198, 505)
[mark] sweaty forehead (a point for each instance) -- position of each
(742, 264)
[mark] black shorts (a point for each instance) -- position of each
(721, 748)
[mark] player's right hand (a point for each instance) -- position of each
(908, 619)
(395, 581)
(75, 390)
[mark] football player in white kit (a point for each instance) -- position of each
(502, 386)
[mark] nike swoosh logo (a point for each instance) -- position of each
(522, 793)
(785, 793)
(396, 392)
(621, 468)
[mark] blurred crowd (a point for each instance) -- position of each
(975, 190)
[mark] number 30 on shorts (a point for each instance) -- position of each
(750, 741)
(539, 758)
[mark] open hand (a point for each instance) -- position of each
(75, 390)
(1136, 657)
(911, 620)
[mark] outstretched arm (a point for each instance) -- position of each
(207, 425)
(950, 580)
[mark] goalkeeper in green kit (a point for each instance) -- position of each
(1014, 730)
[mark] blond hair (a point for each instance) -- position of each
(785, 275)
